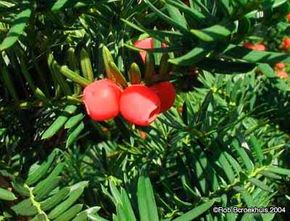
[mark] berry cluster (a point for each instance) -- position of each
(138, 103)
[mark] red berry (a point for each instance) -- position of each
(166, 93)
(256, 47)
(259, 47)
(147, 43)
(282, 74)
(286, 43)
(139, 105)
(280, 65)
(248, 45)
(288, 17)
(101, 99)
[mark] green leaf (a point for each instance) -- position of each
(51, 184)
(274, 4)
(39, 217)
(257, 147)
(72, 60)
(41, 171)
(192, 57)
(149, 67)
(116, 75)
(73, 64)
(146, 201)
(74, 120)
(19, 187)
(59, 4)
(54, 200)
(156, 34)
(267, 70)
(256, 56)
(199, 171)
(194, 213)
(215, 32)
(61, 81)
(48, 184)
(244, 156)
(64, 70)
(59, 122)
(86, 65)
(16, 29)
(164, 66)
(111, 68)
(233, 162)
(121, 216)
(116, 194)
(70, 213)
(278, 170)
(74, 76)
(90, 213)
(7, 195)
(226, 166)
(127, 207)
(76, 192)
(250, 202)
(176, 15)
(167, 18)
(260, 184)
(192, 12)
(73, 135)
(25, 208)
(270, 175)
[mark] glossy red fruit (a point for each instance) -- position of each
(256, 47)
(101, 99)
(139, 105)
(147, 43)
(286, 43)
(280, 66)
(288, 17)
(166, 93)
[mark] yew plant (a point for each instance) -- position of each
(145, 110)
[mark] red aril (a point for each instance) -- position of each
(139, 105)
(256, 47)
(286, 43)
(280, 66)
(101, 99)
(147, 43)
(166, 93)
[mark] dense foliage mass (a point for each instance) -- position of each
(144, 110)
